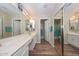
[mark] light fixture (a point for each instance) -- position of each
(72, 18)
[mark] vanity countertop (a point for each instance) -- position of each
(73, 33)
(10, 45)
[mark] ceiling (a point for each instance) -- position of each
(39, 9)
(9, 9)
(34, 9)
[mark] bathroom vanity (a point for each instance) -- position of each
(73, 38)
(18, 45)
(73, 33)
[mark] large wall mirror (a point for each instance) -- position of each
(58, 31)
(11, 21)
(5, 25)
(74, 22)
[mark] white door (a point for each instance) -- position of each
(16, 27)
(0, 28)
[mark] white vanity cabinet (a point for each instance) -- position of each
(23, 51)
(33, 43)
(70, 38)
(73, 39)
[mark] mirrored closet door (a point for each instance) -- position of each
(58, 32)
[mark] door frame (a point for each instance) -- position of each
(62, 34)
(2, 24)
(13, 25)
(44, 28)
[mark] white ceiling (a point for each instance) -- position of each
(34, 9)
(9, 9)
(38, 9)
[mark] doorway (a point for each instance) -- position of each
(58, 32)
(43, 30)
(16, 27)
(57, 35)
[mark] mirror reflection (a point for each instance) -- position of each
(5, 24)
(14, 22)
(30, 25)
(74, 22)
(57, 31)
